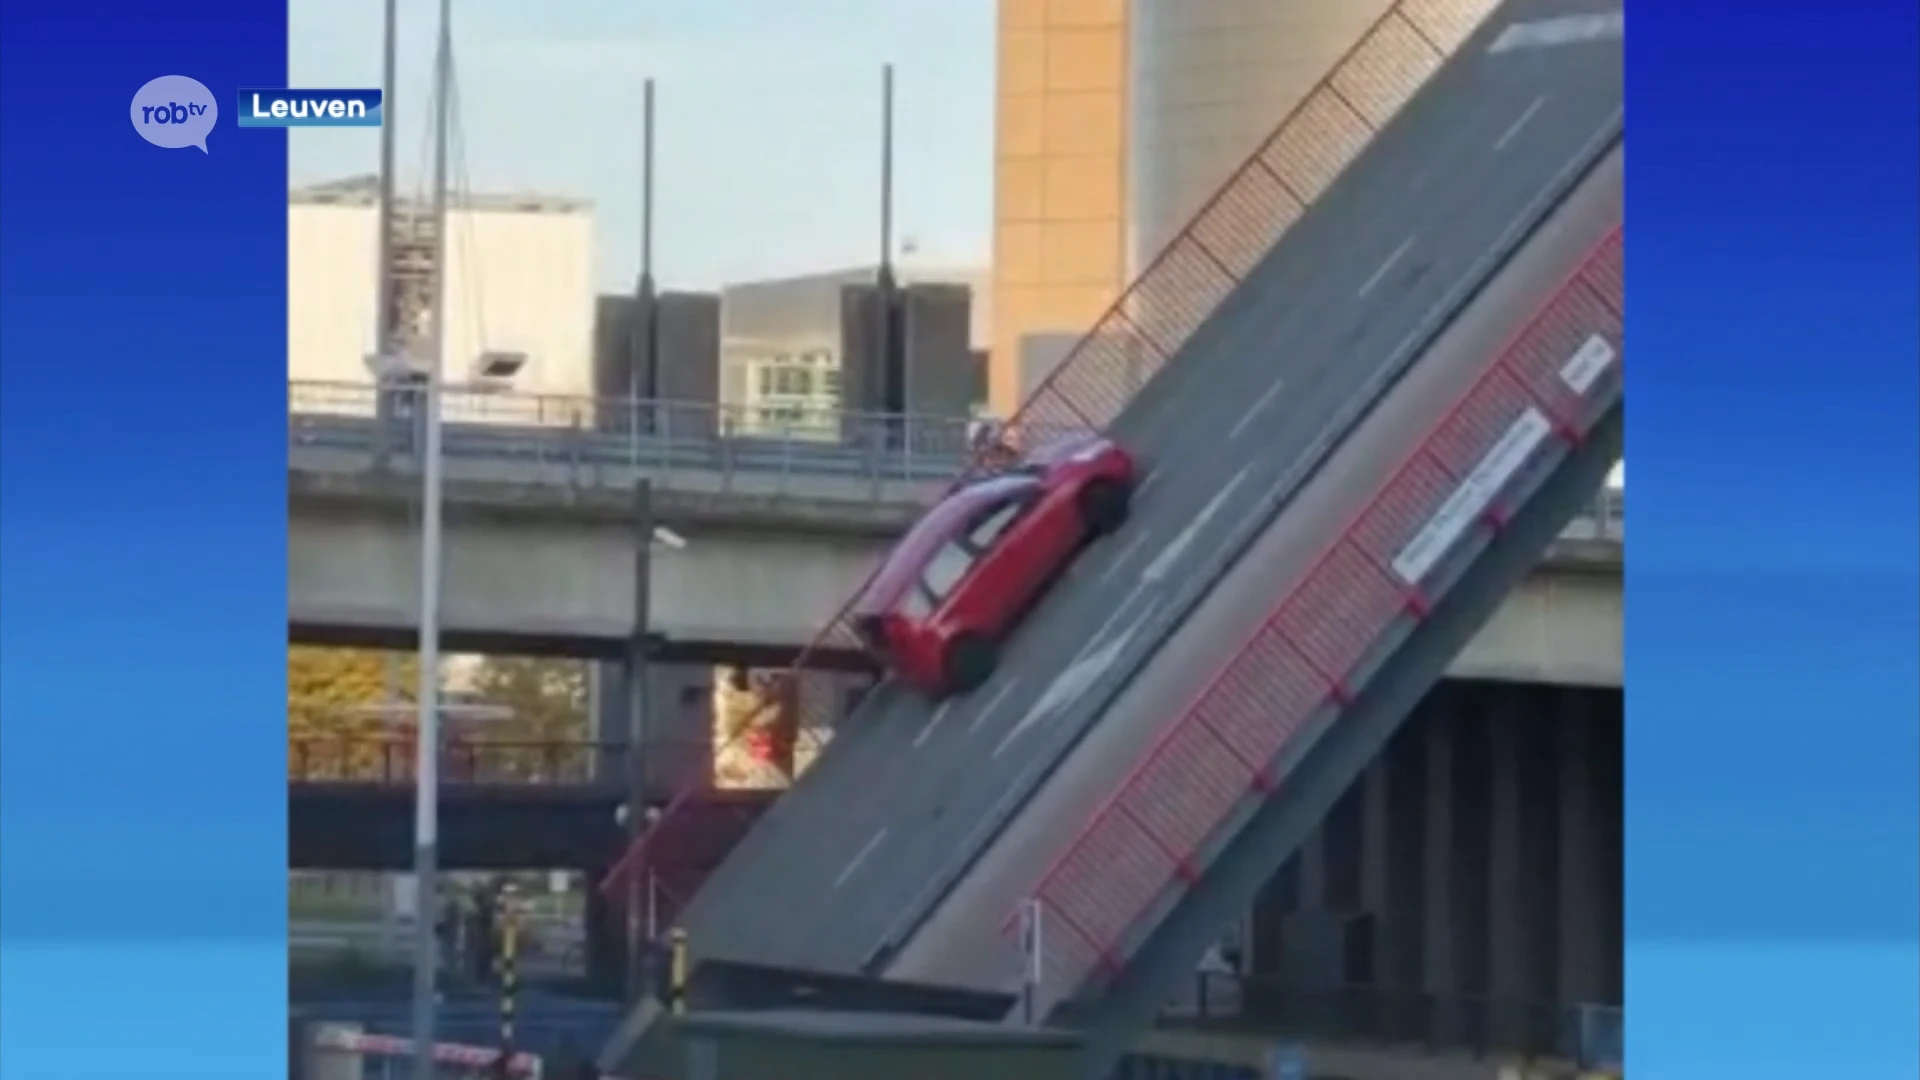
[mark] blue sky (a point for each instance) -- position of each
(768, 119)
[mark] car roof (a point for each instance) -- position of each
(941, 523)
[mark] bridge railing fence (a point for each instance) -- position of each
(392, 760)
(577, 439)
(668, 765)
(1153, 836)
(1180, 288)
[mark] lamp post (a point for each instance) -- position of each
(426, 807)
(649, 535)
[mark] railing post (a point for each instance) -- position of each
(786, 454)
(663, 439)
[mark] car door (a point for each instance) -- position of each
(1003, 575)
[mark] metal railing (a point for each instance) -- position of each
(1151, 835)
(1153, 319)
(382, 759)
(547, 429)
(580, 435)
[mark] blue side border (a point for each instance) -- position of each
(1771, 581)
(143, 546)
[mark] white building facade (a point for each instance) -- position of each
(519, 279)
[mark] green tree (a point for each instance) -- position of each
(332, 726)
(548, 698)
(548, 702)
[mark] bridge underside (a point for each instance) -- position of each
(1464, 894)
(1466, 891)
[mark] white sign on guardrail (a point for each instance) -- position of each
(1588, 362)
(1472, 497)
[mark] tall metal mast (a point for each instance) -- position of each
(426, 855)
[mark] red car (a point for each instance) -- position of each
(960, 580)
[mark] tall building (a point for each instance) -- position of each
(1059, 174)
(1118, 118)
(518, 279)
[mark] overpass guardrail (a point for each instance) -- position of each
(389, 760)
(664, 438)
(575, 441)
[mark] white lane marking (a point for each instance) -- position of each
(1560, 30)
(1515, 225)
(926, 731)
(992, 704)
(1120, 560)
(1162, 563)
(1146, 482)
(1247, 417)
(854, 863)
(1123, 607)
(1514, 129)
(1076, 680)
(1385, 266)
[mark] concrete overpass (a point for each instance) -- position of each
(541, 557)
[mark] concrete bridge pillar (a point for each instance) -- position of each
(1391, 871)
(1578, 878)
(1521, 861)
(1437, 961)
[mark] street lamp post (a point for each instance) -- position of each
(649, 533)
(638, 707)
(426, 809)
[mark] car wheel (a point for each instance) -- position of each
(1104, 505)
(970, 661)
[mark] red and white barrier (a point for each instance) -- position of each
(458, 1055)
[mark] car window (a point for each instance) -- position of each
(946, 568)
(915, 605)
(991, 527)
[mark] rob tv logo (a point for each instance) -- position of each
(262, 107)
(174, 112)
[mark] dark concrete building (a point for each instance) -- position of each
(687, 367)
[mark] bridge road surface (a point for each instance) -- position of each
(961, 943)
(910, 792)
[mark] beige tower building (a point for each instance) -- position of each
(1116, 120)
(1059, 175)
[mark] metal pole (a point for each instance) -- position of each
(892, 373)
(427, 750)
(383, 296)
(677, 976)
(886, 174)
(650, 341)
(507, 916)
(643, 372)
(638, 689)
